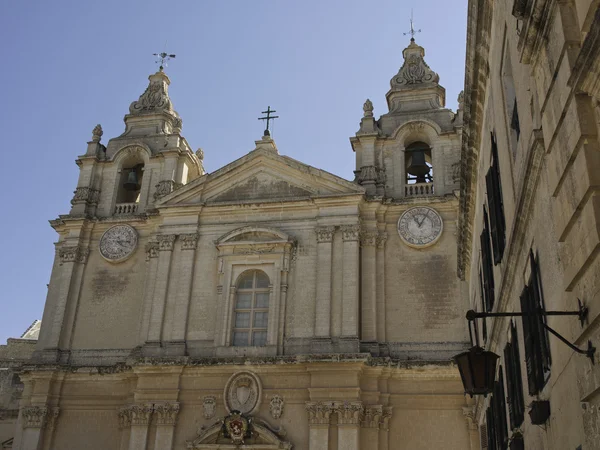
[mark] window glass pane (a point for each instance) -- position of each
(244, 301)
(260, 319)
(240, 339)
(259, 338)
(262, 280)
(242, 320)
(246, 280)
(262, 300)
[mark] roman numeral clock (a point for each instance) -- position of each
(420, 227)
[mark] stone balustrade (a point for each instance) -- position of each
(126, 208)
(419, 190)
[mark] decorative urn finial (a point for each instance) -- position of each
(368, 108)
(97, 133)
(200, 154)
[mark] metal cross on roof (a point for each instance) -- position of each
(162, 58)
(412, 31)
(268, 118)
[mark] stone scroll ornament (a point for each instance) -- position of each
(243, 393)
(414, 70)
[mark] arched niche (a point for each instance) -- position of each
(131, 184)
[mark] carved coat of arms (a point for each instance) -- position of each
(209, 406)
(236, 427)
(243, 392)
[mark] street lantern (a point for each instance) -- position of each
(477, 369)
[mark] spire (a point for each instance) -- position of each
(153, 112)
(415, 87)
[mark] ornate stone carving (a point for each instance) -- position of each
(52, 417)
(368, 108)
(276, 406)
(164, 188)
(200, 154)
(124, 414)
(414, 70)
(255, 249)
(372, 416)
(367, 173)
(189, 241)
(155, 98)
(382, 239)
(141, 414)
(349, 413)
(152, 250)
(209, 406)
(461, 99)
(166, 242)
(243, 392)
(34, 416)
(325, 234)
(368, 238)
(167, 413)
(73, 253)
(319, 412)
(86, 195)
(386, 415)
(97, 133)
(350, 232)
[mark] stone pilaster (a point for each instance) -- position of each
(124, 415)
(186, 259)
(141, 414)
(318, 422)
(50, 426)
(472, 428)
(149, 284)
(350, 236)
(33, 419)
(384, 428)
(380, 286)
(165, 426)
(166, 243)
(370, 425)
(350, 416)
(368, 240)
(324, 264)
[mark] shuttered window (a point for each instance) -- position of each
(491, 427)
(487, 267)
(514, 380)
(483, 308)
(496, 206)
(499, 405)
(537, 348)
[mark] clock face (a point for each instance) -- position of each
(420, 227)
(118, 243)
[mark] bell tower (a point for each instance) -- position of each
(148, 161)
(413, 150)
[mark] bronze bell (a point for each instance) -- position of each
(417, 165)
(132, 181)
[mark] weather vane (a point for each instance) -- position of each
(162, 58)
(412, 31)
(268, 118)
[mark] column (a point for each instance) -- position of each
(370, 427)
(70, 256)
(50, 426)
(33, 419)
(384, 428)
(184, 289)
(368, 287)
(318, 424)
(323, 300)
(165, 424)
(350, 415)
(380, 286)
(165, 249)
(149, 284)
(140, 421)
(350, 236)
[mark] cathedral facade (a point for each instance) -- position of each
(269, 303)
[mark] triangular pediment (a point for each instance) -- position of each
(261, 176)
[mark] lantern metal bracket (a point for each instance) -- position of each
(582, 314)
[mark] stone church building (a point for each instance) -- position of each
(268, 304)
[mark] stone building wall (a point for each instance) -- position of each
(549, 179)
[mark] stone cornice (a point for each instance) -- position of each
(585, 75)
(476, 77)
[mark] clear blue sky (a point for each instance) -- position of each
(68, 65)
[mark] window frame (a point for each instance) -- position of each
(252, 310)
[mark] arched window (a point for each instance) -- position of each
(251, 309)
(418, 163)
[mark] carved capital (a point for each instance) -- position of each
(189, 241)
(349, 413)
(350, 232)
(124, 414)
(166, 242)
(152, 250)
(325, 234)
(372, 416)
(86, 195)
(52, 417)
(368, 238)
(469, 413)
(382, 239)
(34, 416)
(384, 423)
(141, 414)
(167, 413)
(318, 413)
(73, 253)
